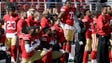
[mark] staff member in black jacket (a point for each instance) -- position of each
(80, 39)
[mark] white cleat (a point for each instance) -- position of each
(12, 60)
(93, 61)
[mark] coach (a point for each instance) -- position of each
(103, 37)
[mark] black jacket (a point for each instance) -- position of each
(80, 31)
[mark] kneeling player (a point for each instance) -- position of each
(28, 46)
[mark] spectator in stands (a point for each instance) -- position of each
(52, 5)
(25, 7)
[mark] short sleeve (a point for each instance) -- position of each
(63, 8)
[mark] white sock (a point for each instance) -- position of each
(93, 61)
(12, 60)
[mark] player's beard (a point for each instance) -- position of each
(14, 14)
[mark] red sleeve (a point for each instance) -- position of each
(19, 26)
(4, 18)
(29, 21)
(63, 8)
(100, 22)
(43, 23)
(36, 23)
(60, 33)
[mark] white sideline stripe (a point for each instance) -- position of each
(3, 61)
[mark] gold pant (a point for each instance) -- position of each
(35, 57)
(88, 45)
(56, 54)
(38, 56)
(94, 42)
(11, 41)
(69, 34)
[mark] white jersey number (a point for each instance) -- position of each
(11, 25)
(71, 15)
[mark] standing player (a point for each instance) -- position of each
(88, 23)
(94, 39)
(11, 20)
(67, 23)
(21, 23)
(104, 35)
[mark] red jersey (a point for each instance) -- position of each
(21, 23)
(11, 23)
(30, 21)
(108, 17)
(103, 27)
(36, 23)
(45, 22)
(60, 33)
(88, 24)
(46, 38)
(68, 17)
(24, 53)
(94, 26)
